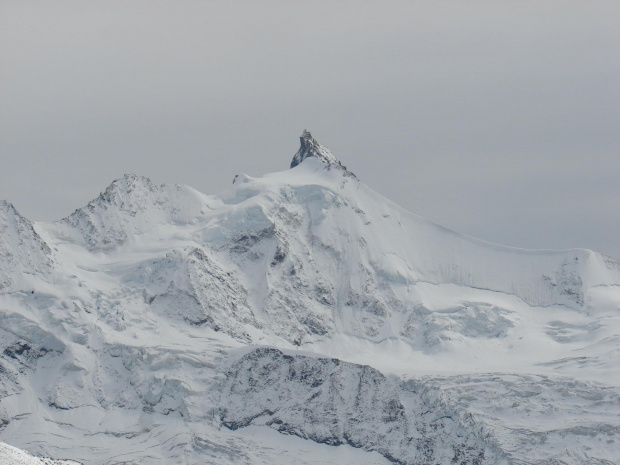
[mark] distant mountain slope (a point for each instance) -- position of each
(319, 252)
(129, 207)
(122, 324)
(24, 256)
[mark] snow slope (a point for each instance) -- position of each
(24, 257)
(122, 324)
(13, 456)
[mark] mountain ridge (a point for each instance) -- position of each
(158, 298)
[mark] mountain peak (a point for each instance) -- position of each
(23, 253)
(6, 206)
(128, 183)
(8, 212)
(309, 147)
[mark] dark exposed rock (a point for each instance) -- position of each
(334, 402)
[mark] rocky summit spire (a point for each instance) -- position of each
(309, 147)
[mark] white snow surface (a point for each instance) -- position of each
(124, 326)
(13, 456)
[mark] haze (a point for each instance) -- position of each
(499, 120)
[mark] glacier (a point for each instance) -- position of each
(298, 317)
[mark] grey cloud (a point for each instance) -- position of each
(498, 120)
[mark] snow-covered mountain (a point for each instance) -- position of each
(24, 257)
(161, 325)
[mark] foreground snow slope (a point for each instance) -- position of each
(13, 456)
(121, 324)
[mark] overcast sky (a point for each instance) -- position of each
(499, 120)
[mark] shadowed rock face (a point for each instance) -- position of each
(334, 402)
(484, 419)
(309, 147)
